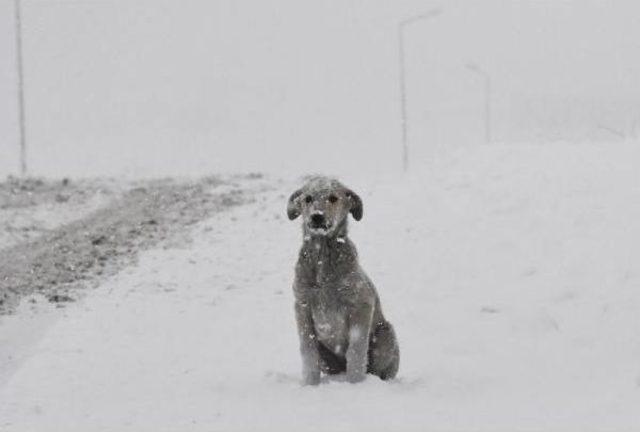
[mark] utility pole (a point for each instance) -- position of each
(20, 77)
(487, 98)
(402, 25)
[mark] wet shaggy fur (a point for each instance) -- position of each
(338, 313)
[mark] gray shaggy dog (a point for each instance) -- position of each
(340, 321)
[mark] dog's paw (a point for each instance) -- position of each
(311, 381)
(310, 378)
(356, 377)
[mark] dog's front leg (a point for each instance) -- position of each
(357, 352)
(308, 344)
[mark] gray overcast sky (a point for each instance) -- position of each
(259, 84)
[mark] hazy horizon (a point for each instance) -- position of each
(169, 87)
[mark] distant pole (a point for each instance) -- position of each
(487, 99)
(402, 25)
(20, 77)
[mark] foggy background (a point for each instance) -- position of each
(145, 87)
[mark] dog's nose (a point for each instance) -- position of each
(317, 220)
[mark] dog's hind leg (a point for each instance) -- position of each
(384, 354)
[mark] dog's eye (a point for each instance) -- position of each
(333, 199)
(308, 199)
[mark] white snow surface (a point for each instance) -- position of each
(511, 275)
(19, 223)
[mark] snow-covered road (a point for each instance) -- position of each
(512, 275)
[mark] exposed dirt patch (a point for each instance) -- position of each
(110, 238)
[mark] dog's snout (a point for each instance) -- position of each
(317, 219)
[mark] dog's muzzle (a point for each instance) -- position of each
(318, 223)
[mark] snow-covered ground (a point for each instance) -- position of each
(29, 208)
(512, 275)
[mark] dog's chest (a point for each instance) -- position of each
(323, 264)
(330, 322)
(328, 296)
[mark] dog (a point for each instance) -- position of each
(339, 318)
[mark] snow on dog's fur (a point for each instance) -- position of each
(338, 313)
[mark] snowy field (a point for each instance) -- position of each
(511, 274)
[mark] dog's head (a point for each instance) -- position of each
(324, 204)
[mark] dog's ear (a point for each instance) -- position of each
(356, 204)
(293, 205)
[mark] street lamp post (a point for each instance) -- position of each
(20, 78)
(487, 98)
(402, 25)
